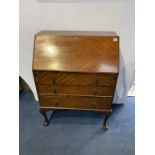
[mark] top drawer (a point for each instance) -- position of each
(45, 77)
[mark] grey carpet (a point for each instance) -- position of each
(76, 132)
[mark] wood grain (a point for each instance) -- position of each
(46, 77)
(76, 52)
(76, 70)
(76, 102)
(47, 89)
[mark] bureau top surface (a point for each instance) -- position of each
(76, 51)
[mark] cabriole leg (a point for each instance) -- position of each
(46, 122)
(105, 124)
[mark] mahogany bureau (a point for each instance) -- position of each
(76, 70)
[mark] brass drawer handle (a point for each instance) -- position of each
(56, 104)
(55, 90)
(97, 82)
(54, 81)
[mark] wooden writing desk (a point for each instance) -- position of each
(76, 70)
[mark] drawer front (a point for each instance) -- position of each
(98, 103)
(73, 78)
(47, 89)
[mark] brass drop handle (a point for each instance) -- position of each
(95, 87)
(54, 81)
(97, 81)
(55, 101)
(55, 90)
(56, 104)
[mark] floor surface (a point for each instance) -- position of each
(76, 132)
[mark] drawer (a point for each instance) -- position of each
(47, 89)
(99, 103)
(43, 77)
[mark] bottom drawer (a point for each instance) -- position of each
(99, 103)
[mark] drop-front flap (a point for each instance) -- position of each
(76, 51)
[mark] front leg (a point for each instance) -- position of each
(46, 122)
(105, 125)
